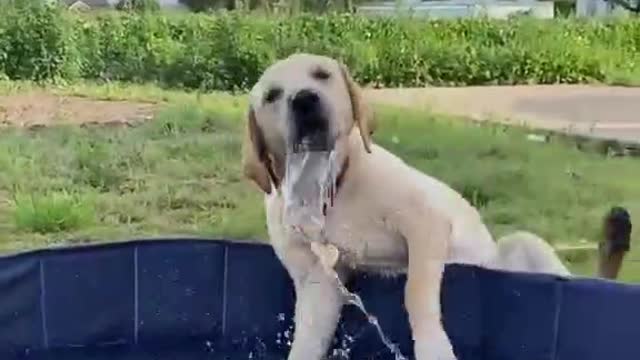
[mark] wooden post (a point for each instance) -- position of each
(615, 243)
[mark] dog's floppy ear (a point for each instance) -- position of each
(256, 163)
(362, 114)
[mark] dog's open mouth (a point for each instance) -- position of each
(308, 191)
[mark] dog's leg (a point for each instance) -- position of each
(427, 248)
(318, 304)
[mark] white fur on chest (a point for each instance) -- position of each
(365, 238)
(365, 235)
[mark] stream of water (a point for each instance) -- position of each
(354, 299)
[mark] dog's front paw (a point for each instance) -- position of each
(328, 254)
(434, 347)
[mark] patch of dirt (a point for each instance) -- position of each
(36, 109)
(604, 112)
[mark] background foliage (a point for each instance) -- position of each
(228, 50)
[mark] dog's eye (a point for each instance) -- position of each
(272, 95)
(320, 74)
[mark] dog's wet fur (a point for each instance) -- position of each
(387, 216)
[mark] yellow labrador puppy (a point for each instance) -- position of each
(308, 147)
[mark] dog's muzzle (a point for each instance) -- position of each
(309, 129)
(311, 167)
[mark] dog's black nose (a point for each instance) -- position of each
(305, 102)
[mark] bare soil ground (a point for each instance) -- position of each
(590, 110)
(38, 108)
(599, 111)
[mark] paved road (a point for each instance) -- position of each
(591, 110)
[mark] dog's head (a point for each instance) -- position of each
(302, 111)
(302, 103)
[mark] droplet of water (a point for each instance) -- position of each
(209, 345)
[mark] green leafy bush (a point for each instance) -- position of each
(36, 41)
(229, 50)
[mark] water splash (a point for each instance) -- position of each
(354, 299)
(284, 338)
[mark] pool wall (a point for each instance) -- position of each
(188, 298)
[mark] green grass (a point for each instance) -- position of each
(54, 211)
(180, 174)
